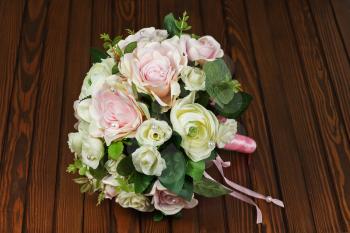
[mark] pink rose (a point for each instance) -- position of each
(204, 49)
(110, 184)
(114, 115)
(154, 69)
(168, 202)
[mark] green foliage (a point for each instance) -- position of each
(115, 150)
(173, 177)
(187, 189)
(158, 216)
(236, 106)
(100, 198)
(130, 47)
(74, 167)
(115, 69)
(176, 27)
(130, 31)
(209, 188)
(97, 55)
(125, 166)
(195, 169)
(202, 98)
(140, 181)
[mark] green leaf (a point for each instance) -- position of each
(236, 106)
(170, 25)
(195, 169)
(99, 172)
(158, 216)
(115, 69)
(173, 177)
(97, 55)
(187, 189)
(115, 150)
(141, 181)
(202, 98)
(209, 188)
(217, 83)
(130, 47)
(125, 166)
(116, 40)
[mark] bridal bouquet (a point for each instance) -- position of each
(153, 111)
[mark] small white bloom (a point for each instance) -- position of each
(111, 165)
(75, 143)
(148, 160)
(194, 78)
(110, 186)
(153, 132)
(82, 109)
(92, 151)
(134, 200)
(227, 131)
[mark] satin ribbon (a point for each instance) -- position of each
(243, 193)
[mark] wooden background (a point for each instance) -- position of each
(292, 56)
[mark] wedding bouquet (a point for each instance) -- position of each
(153, 111)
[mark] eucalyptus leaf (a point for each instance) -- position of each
(187, 189)
(115, 150)
(209, 188)
(236, 106)
(97, 55)
(125, 166)
(173, 177)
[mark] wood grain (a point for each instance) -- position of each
(69, 201)
(17, 146)
(292, 56)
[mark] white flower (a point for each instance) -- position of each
(227, 131)
(110, 186)
(194, 78)
(92, 151)
(75, 143)
(167, 202)
(96, 77)
(197, 126)
(135, 201)
(111, 165)
(148, 160)
(153, 132)
(82, 109)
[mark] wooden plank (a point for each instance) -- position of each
(341, 11)
(284, 142)
(69, 200)
(305, 125)
(10, 30)
(98, 218)
(42, 174)
(264, 176)
(336, 57)
(332, 128)
(17, 146)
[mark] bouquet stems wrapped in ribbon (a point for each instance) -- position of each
(154, 109)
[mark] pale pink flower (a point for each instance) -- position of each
(167, 202)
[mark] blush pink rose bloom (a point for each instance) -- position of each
(168, 202)
(204, 49)
(154, 68)
(114, 115)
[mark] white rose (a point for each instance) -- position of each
(134, 200)
(194, 78)
(82, 109)
(227, 131)
(197, 126)
(96, 76)
(148, 160)
(111, 165)
(75, 143)
(92, 151)
(153, 132)
(110, 186)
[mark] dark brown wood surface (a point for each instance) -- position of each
(292, 56)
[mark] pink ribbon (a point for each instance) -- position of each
(244, 194)
(241, 144)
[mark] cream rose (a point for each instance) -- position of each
(75, 143)
(154, 69)
(96, 77)
(194, 78)
(92, 151)
(153, 132)
(168, 202)
(111, 165)
(135, 201)
(197, 126)
(110, 186)
(204, 49)
(227, 131)
(148, 160)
